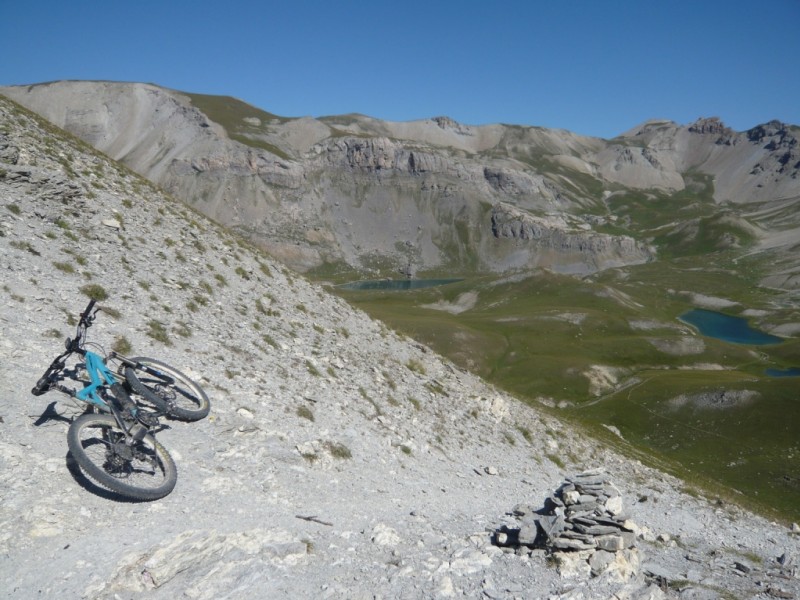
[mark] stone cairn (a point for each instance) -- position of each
(582, 526)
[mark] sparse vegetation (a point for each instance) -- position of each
(305, 413)
(111, 312)
(64, 267)
(26, 246)
(338, 450)
(182, 329)
(95, 291)
(270, 340)
(436, 387)
(157, 331)
(309, 456)
(526, 433)
(416, 366)
(122, 345)
(313, 369)
(62, 224)
(556, 460)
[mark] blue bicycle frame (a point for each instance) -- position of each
(100, 376)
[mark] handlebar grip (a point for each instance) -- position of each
(40, 387)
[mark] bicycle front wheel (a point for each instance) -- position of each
(170, 390)
(143, 470)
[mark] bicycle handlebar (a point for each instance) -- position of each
(72, 345)
(86, 316)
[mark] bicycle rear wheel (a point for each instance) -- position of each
(170, 390)
(143, 470)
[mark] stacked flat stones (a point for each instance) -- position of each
(582, 524)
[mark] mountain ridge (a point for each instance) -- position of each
(298, 185)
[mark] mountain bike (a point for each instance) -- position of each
(114, 442)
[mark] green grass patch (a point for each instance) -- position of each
(305, 413)
(338, 450)
(64, 267)
(95, 291)
(158, 331)
(122, 345)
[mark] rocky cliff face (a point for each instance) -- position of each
(339, 459)
(552, 243)
(377, 195)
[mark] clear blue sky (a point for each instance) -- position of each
(595, 67)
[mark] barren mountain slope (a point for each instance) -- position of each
(302, 187)
(339, 460)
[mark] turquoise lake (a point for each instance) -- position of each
(727, 328)
(792, 372)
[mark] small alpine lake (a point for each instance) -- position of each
(791, 372)
(727, 328)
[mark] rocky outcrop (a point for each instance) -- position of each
(526, 189)
(782, 144)
(383, 154)
(713, 126)
(639, 167)
(548, 242)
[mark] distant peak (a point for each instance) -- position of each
(446, 122)
(449, 124)
(713, 125)
(770, 129)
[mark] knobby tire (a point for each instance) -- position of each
(182, 399)
(149, 474)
